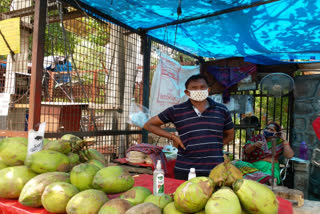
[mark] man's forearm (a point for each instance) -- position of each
(157, 130)
(227, 139)
(228, 135)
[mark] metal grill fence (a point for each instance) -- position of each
(91, 71)
(15, 68)
(267, 108)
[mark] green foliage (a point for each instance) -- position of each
(278, 114)
(98, 32)
(5, 6)
(87, 78)
(92, 38)
(55, 41)
(186, 59)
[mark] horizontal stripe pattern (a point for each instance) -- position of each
(201, 135)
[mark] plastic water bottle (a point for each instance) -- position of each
(192, 173)
(303, 151)
(158, 180)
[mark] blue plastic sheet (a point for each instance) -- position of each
(273, 31)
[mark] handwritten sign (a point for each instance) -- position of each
(35, 139)
(10, 36)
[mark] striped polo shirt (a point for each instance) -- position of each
(201, 134)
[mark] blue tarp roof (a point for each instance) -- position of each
(281, 30)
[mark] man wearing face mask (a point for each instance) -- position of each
(257, 155)
(203, 127)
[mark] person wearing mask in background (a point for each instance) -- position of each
(203, 127)
(257, 155)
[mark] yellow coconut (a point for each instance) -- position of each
(2, 165)
(56, 196)
(32, 191)
(12, 180)
(115, 206)
(192, 196)
(225, 174)
(171, 209)
(87, 202)
(223, 201)
(255, 197)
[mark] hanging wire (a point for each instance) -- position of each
(60, 8)
(165, 33)
(81, 8)
(114, 51)
(179, 12)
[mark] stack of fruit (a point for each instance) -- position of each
(66, 177)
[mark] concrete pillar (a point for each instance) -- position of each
(301, 176)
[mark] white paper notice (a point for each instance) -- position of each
(4, 104)
(35, 139)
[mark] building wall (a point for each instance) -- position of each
(306, 110)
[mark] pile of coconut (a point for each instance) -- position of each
(67, 178)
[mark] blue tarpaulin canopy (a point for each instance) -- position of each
(260, 30)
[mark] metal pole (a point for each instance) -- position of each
(273, 148)
(37, 63)
(146, 78)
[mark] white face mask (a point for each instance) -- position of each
(198, 95)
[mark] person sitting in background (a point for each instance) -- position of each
(257, 155)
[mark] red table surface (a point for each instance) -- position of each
(8, 206)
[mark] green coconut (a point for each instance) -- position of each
(113, 179)
(73, 158)
(192, 196)
(2, 165)
(144, 208)
(48, 161)
(87, 202)
(70, 138)
(97, 163)
(58, 145)
(115, 206)
(159, 200)
(13, 150)
(93, 154)
(81, 176)
(12, 180)
(31, 192)
(171, 209)
(136, 195)
(46, 141)
(223, 201)
(56, 196)
(255, 197)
